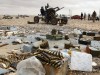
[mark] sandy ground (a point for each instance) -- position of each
(86, 25)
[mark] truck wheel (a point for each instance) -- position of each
(36, 19)
(54, 21)
(64, 21)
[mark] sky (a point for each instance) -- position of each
(32, 7)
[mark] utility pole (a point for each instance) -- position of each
(99, 13)
(70, 13)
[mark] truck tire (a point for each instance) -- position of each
(64, 21)
(54, 21)
(36, 19)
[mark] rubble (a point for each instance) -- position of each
(32, 38)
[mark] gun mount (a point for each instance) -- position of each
(49, 15)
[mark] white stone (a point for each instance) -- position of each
(81, 61)
(95, 44)
(30, 66)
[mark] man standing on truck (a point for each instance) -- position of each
(42, 11)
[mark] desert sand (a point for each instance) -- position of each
(41, 27)
(45, 28)
(84, 24)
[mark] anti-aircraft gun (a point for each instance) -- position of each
(50, 16)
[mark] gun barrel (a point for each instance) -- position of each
(61, 8)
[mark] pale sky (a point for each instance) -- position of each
(32, 7)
